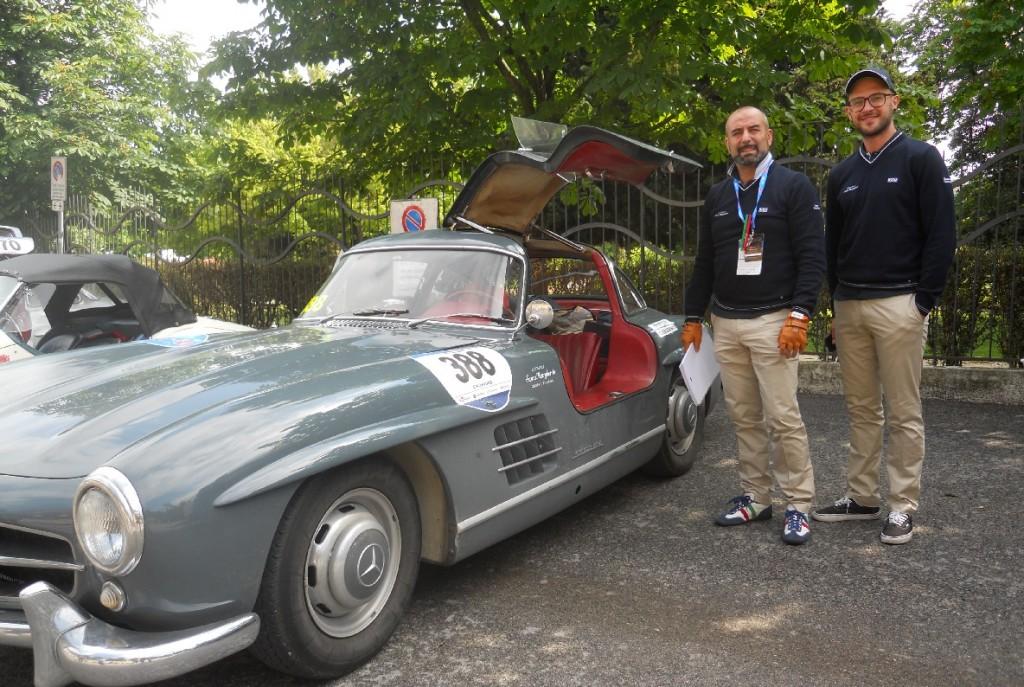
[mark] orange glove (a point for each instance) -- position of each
(692, 332)
(793, 337)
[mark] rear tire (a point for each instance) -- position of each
(341, 571)
(684, 434)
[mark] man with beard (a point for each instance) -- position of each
(760, 262)
(890, 241)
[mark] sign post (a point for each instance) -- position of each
(58, 194)
(413, 215)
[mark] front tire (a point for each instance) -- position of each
(341, 571)
(684, 434)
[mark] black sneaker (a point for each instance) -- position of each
(846, 509)
(742, 510)
(898, 528)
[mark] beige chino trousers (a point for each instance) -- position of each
(760, 394)
(881, 352)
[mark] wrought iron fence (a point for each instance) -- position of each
(258, 261)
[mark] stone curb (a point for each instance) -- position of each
(972, 384)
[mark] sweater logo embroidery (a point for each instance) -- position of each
(947, 180)
(723, 213)
(893, 180)
(848, 189)
(761, 211)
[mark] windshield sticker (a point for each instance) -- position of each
(179, 341)
(663, 327)
(477, 377)
(314, 304)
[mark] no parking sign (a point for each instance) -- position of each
(413, 215)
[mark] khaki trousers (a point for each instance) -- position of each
(760, 394)
(881, 349)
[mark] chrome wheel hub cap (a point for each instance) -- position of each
(682, 419)
(350, 565)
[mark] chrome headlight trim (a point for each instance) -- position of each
(113, 484)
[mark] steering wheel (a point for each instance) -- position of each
(468, 294)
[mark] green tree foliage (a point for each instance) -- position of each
(407, 77)
(90, 80)
(971, 52)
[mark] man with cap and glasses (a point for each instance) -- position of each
(760, 262)
(890, 236)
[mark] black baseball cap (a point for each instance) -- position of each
(876, 72)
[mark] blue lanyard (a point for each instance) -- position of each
(748, 221)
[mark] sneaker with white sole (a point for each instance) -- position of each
(796, 530)
(742, 510)
(846, 509)
(898, 528)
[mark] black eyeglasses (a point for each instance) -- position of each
(876, 100)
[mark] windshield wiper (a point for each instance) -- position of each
(440, 318)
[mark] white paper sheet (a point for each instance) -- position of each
(700, 368)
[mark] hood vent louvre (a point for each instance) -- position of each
(526, 447)
(367, 324)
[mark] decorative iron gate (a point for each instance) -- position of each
(259, 263)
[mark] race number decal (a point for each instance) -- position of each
(476, 376)
(663, 327)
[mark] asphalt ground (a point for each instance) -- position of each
(635, 586)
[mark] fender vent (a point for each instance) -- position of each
(527, 448)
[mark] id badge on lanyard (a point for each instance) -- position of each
(751, 245)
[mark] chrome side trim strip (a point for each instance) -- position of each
(529, 460)
(494, 511)
(524, 440)
(15, 562)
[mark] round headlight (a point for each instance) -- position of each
(108, 521)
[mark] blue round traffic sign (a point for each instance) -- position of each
(413, 218)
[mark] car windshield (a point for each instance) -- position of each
(461, 286)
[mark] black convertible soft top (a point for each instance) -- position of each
(153, 304)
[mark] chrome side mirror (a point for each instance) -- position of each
(539, 314)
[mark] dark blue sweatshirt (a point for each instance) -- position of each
(789, 216)
(890, 222)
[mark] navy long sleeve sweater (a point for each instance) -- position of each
(789, 216)
(890, 224)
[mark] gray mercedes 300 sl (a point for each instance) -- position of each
(161, 508)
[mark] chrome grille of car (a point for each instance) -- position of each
(527, 448)
(367, 324)
(27, 556)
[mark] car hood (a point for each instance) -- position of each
(62, 417)
(511, 187)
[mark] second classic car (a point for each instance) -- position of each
(55, 303)
(444, 390)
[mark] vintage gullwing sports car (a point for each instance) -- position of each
(165, 507)
(54, 303)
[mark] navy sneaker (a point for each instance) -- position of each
(742, 510)
(846, 509)
(796, 530)
(898, 528)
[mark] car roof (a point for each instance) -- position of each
(152, 303)
(441, 239)
(511, 187)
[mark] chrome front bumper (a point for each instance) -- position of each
(69, 645)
